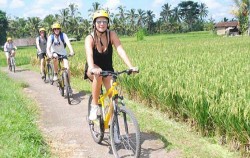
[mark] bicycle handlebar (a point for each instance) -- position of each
(111, 73)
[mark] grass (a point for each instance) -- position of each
(19, 134)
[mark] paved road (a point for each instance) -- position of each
(65, 127)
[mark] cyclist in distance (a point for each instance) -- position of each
(41, 45)
(9, 49)
(56, 44)
(98, 46)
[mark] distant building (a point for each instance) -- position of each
(24, 41)
(230, 28)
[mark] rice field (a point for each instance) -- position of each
(197, 77)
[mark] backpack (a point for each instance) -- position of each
(61, 37)
(39, 39)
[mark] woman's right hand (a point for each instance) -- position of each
(96, 71)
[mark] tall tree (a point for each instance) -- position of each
(176, 15)
(131, 17)
(203, 9)
(166, 12)
(150, 20)
(33, 24)
(48, 22)
(141, 17)
(241, 12)
(73, 8)
(95, 6)
(64, 17)
(3, 27)
(189, 12)
(121, 21)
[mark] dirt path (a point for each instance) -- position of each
(65, 126)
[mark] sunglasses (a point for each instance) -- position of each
(57, 29)
(101, 22)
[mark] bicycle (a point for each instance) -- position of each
(12, 62)
(63, 80)
(123, 122)
(48, 71)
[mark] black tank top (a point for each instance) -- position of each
(104, 59)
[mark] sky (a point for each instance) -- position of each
(218, 9)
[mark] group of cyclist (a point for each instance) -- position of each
(99, 51)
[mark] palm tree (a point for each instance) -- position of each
(176, 15)
(121, 21)
(48, 22)
(33, 24)
(149, 20)
(203, 11)
(141, 17)
(73, 10)
(166, 12)
(131, 17)
(96, 6)
(64, 17)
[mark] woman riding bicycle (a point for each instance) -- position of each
(98, 46)
(41, 45)
(56, 49)
(9, 49)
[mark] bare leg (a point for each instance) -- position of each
(42, 65)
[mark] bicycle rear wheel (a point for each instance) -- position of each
(50, 73)
(125, 126)
(96, 127)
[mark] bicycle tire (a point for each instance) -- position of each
(10, 64)
(14, 64)
(50, 74)
(66, 84)
(10, 67)
(45, 75)
(97, 132)
(130, 137)
(61, 85)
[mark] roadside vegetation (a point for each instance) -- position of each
(19, 134)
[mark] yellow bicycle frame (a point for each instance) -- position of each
(106, 117)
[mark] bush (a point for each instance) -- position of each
(140, 35)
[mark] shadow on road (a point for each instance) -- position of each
(147, 152)
(21, 70)
(77, 97)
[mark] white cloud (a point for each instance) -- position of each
(158, 3)
(3, 3)
(43, 2)
(16, 4)
(36, 12)
(112, 4)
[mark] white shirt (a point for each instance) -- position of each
(9, 46)
(58, 46)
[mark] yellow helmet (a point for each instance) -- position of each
(56, 26)
(9, 39)
(100, 13)
(42, 29)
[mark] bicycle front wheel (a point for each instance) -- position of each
(13, 64)
(50, 73)
(125, 134)
(66, 85)
(97, 126)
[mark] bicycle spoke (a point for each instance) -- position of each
(129, 135)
